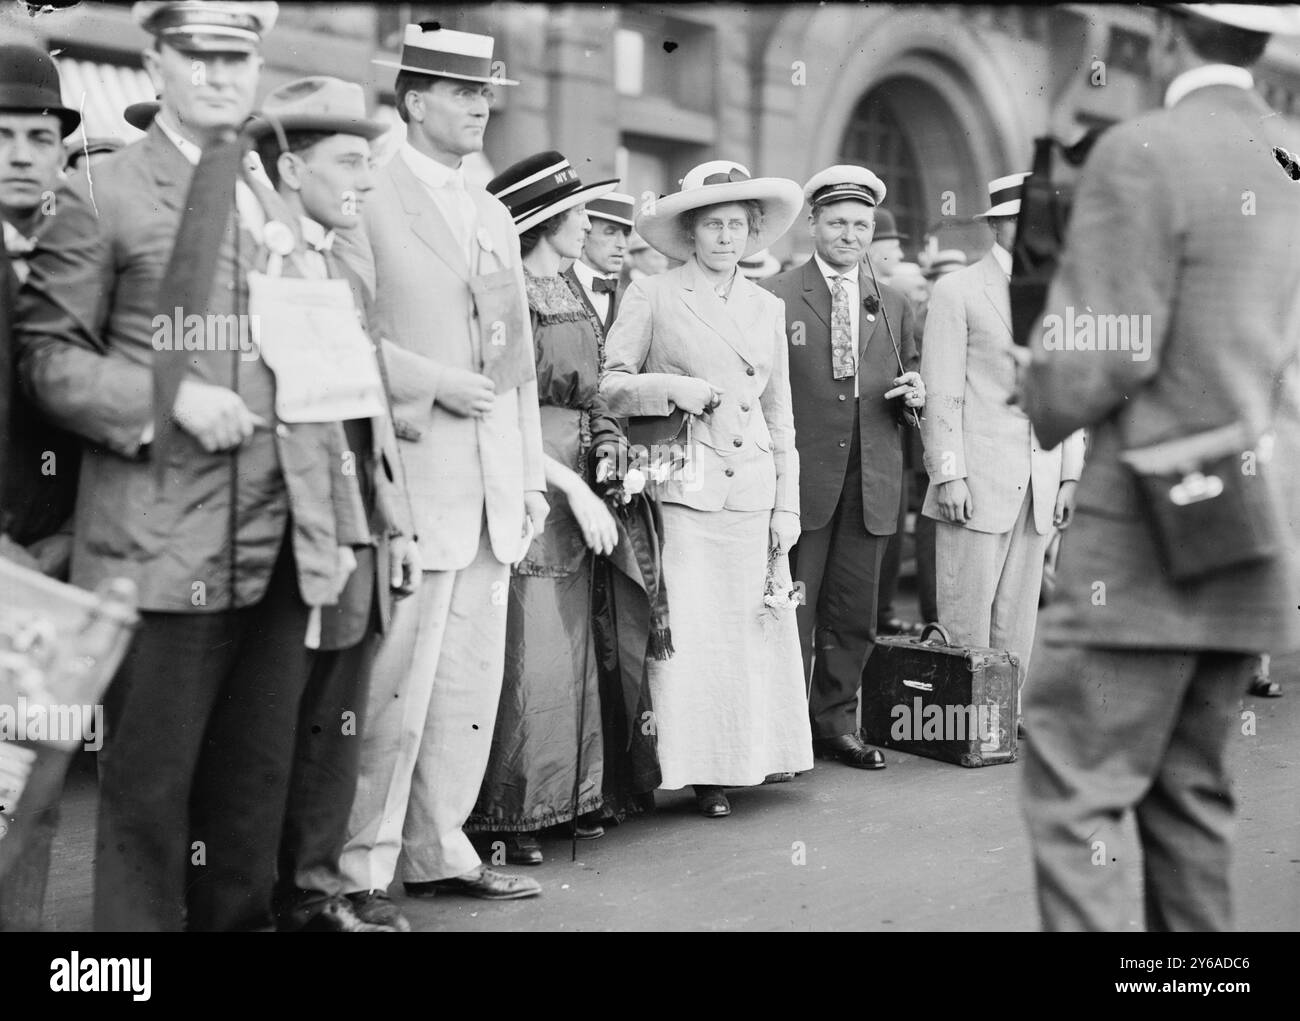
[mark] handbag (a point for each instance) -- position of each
(1209, 501)
(663, 442)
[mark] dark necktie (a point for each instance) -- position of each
(187, 283)
(608, 286)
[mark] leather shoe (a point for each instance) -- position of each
(711, 801)
(1265, 687)
(374, 907)
(849, 750)
(483, 882)
(588, 827)
(523, 849)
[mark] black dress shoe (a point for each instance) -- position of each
(482, 882)
(1265, 687)
(711, 801)
(849, 750)
(522, 848)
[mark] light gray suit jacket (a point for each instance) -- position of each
(1182, 216)
(457, 467)
(969, 429)
(674, 324)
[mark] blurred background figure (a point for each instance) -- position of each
(88, 152)
(760, 266)
(642, 260)
(947, 260)
(886, 248)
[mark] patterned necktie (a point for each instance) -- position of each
(842, 353)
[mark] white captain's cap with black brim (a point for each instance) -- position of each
(446, 53)
(844, 182)
(207, 26)
(1004, 196)
(614, 207)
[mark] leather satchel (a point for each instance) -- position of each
(1209, 500)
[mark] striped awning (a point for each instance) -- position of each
(101, 92)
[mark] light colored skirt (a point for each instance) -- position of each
(729, 705)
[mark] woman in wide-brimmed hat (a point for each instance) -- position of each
(704, 344)
(551, 691)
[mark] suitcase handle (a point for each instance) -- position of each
(945, 638)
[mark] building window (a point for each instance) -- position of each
(629, 62)
(876, 138)
(667, 58)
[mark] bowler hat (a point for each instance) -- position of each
(886, 228)
(542, 186)
(29, 82)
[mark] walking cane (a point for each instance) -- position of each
(582, 698)
(916, 418)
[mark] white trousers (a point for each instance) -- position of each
(988, 584)
(427, 732)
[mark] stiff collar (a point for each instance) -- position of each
(1003, 258)
(189, 150)
(849, 277)
(587, 276)
(316, 236)
(1208, 74)
(429, 171)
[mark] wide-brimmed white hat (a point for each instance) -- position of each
(715, 183)
(1274, 19)
(1004, 196)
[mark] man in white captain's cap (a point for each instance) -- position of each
(849, 394)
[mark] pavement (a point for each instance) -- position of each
(920, 846)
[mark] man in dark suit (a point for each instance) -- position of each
(38, 464)
(1183, 220)
(848, 394)
(234, 525)
(323, 178)
(595, 274)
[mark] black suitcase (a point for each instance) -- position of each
(936, 699)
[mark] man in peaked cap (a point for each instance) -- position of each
(598, 270)
(443, 257)
(233, 523)
(848, 392)
(1136, 697)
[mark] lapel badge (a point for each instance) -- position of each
(484, 239)
(278, 238)
(870, 318)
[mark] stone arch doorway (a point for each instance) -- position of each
(905, 130)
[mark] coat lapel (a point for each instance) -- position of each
(711, 310)
(427, 221)
(171, 171)
(816, 295)
(996, 289)
(866, 328)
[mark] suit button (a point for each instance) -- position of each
(729, 472)
(744, 407)
(737, 442)
(749, 371)
(842, 397)
(843, 443)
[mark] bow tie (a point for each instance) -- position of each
(321, 245)
(604, 285)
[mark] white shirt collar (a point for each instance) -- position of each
(430, 171)
(587, 276)
(1003, 258)
(315, 235)
(189, 150)
(1207, 74)
(849, 277)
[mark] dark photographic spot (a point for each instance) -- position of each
(669, 46)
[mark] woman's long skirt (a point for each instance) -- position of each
(529, 781)
(729, 705)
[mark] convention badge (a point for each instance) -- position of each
(278, 238)
(484, 239)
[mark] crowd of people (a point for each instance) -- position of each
(528, 501)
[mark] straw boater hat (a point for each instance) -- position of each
(318, 103)
(947, 260)
(712, 184)
(445, 53)
(760, 265)
(614, 207)
(542, 186)
(207, 26)
(1004, 196)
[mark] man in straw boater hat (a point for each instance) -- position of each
(34, 503)
(852, 373)
(1182, 216)
(313, 139)
(232, 521)
(996, 494)
(598, 270)
(443, 257)
(700, 352)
